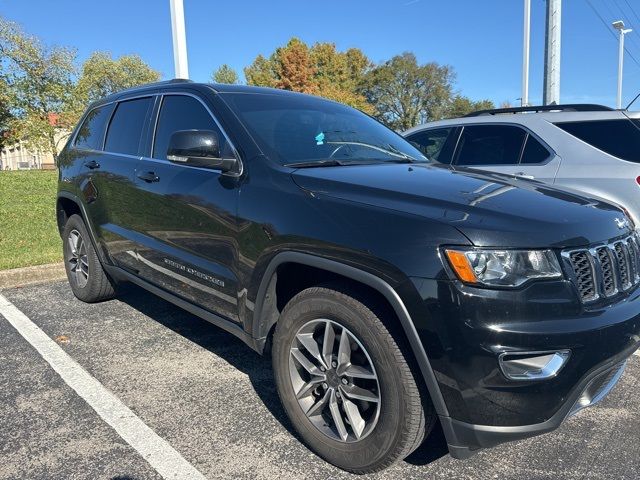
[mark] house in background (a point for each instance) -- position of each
(20, 156)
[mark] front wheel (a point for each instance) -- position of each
(87, 278)
(345, 381)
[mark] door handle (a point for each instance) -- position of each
(149, 177)
(92, 164)
(524, 175)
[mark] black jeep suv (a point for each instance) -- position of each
(391, 293)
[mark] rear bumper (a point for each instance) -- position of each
(464, 439)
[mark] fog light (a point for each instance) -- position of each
(533, 365)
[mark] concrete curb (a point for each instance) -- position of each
(19, 277)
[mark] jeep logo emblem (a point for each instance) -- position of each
(622, 223)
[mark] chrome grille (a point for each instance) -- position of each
(605, 270)
(581, 262)
(608, 273)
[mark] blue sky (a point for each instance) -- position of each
(481, 39)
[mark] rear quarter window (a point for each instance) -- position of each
(91, 133)
(620, 138)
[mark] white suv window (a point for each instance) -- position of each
(490, 145)
(431, 142)
(620, 138)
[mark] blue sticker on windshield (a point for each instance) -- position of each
(320, 138)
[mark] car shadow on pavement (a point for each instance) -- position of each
(214, 339)
(240, 356)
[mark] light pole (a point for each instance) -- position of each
(619, 25)
(525, 54)
(179, 39)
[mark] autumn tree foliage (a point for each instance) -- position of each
(320, 70)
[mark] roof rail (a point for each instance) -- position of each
(154, 84)
(568, 107)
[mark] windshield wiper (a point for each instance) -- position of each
(407, 157)
(329, 162)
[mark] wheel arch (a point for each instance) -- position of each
(68, 204)
(266, 313)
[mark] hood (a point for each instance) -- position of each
(492, 210)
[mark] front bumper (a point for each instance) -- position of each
(464, 439)
(465, 330)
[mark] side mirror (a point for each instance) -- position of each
(198, 148)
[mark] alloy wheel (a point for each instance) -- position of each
(334, 380)
(78, 261)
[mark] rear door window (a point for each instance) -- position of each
(431, 143)
(127, 125)
(620, 138)
(490, 145)
(91, 133)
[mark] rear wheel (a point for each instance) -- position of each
(345, 381)
(87, 278)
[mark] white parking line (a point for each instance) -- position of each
(154, 449)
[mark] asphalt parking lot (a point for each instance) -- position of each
(212, 399)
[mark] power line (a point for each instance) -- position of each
(632, 10)
(606, 25)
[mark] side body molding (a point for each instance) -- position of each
(260, 329)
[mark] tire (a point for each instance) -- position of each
(405, 415)
(87, 278)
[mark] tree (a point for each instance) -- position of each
(461, 106)
(260, 72)
(225, 74)
(39, 81)
(319, 69)
(5, 112)
(102, 75)
(406, 94)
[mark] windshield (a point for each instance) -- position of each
(303, 129)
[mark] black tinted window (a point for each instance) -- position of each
(179, 112)
(620, 138)
(490, 145)
(91, 132)
(431, 142)
(126, 126)
(534, 151)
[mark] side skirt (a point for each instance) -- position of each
(122, 275)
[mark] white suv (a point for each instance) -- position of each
(591, 148)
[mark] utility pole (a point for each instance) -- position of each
(551, 94)
(179, 39)
(525, 53)
(619, 25)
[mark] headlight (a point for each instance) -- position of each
(503, 268)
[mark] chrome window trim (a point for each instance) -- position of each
(160, 94)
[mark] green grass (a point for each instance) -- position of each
(28, 231)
